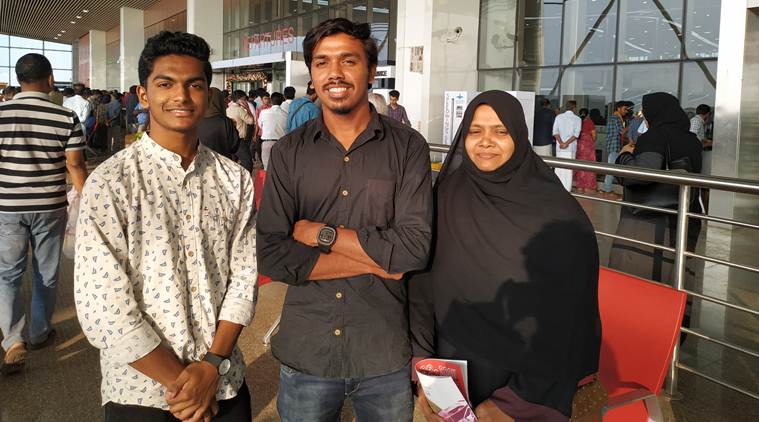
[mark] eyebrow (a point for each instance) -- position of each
(340, 55)
(172, 79)
(495, 126)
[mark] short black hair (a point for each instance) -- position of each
(167, 43)
(583, 112)
(545, 102)
(571, 105)
(394, 93)
(252, 93)
(703, 109)
(359, 31)
(289, 93)
(238, 94)
(68, 92)
(263, 94)
(619, 104)
(32, 68)
(277, 98)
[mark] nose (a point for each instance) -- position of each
(335, 70)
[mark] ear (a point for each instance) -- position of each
(372, 73)
(51, 81)
(142, 95)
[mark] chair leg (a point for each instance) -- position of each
(654, 411)
(270, 332)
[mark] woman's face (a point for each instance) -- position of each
(488, 143)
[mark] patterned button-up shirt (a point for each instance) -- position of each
(698, 127)
(613, 134)
(163, 254)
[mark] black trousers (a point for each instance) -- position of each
(236, 409)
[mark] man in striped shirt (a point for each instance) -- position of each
(39, 141)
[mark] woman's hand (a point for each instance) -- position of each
(487, 411)
(427, 411)
(628, 148)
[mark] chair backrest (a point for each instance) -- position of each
(641, 322)
(258, 190)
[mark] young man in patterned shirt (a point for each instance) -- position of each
(165, 277)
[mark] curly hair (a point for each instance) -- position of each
(167, 43)
(359, 31)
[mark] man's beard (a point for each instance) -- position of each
(341, 109)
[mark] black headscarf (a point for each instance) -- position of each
(515, 266)
(668, 126)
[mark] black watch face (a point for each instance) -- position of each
(327, 235)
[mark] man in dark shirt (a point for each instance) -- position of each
(346, 211)
(543, 130)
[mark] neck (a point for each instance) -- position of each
(184, 144)
(35, 87)
(347, 127)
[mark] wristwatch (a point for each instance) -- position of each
(221, 363)
(326, 238)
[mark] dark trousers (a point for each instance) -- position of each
(236, 409)
(245, 154)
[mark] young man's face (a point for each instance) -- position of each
(176, 93)
(393, 100)
(266, 100)
(340, 73)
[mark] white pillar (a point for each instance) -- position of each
(205, 18)
(131, 43)
(97, 59)
(449, 58)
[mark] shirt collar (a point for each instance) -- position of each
(163, 154)
(374, 130)
(32, 94)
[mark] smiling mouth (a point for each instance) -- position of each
(337, 92)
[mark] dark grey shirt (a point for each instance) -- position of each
(543, 128)
(358, 326)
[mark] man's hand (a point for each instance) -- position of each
(192, 396)
(487, 411)
(628, 148)
(427, 411)
(384, 274)
(563, 145)
(306, 232)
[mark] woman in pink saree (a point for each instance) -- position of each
(585, 181)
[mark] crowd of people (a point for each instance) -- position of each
(383, 266)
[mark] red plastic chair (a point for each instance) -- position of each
(641, 323)
(258, 191)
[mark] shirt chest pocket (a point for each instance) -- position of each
(217, 231)
(379, 202)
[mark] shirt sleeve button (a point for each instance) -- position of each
(339, 295)
(338, 332)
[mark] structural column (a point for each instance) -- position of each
(97, 59)
(205, 18)
(131, 43)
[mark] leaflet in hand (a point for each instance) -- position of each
(445, 385)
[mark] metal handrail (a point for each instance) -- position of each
(686, 181)
(641, 173)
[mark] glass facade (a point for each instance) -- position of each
(259, 27)
(601, 51)
(12, 48)
(174, 23)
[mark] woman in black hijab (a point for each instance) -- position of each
(512, 285)
(668, 143)
(216, 130)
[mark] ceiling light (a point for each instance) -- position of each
(78, 17)
(73, 21)
(85, 11)
(55, 38)
(63, 31)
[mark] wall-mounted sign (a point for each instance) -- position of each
(416, 64)
(246, 77)
(280, 36)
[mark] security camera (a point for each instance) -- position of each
(454, 35)
(458, 31)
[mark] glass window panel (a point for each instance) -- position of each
(590, 86)
(540, 81)
(5, 75)
(497, 33)
(590, 30)
(25, 42)
(57, 46)
(17, 53)
(648, 31)
(541, 40)
(4, 40)
(359, 11)
(59, 59)
(4, 58)
(702, 24)
(698, 84)
(14, 80)
(60, 75)
(495, 79)
(635, 81)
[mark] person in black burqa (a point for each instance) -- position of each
(512, 287)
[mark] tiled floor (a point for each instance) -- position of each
(61, 383)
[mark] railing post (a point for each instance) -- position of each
(681, 244)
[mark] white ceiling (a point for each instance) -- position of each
(45, 19)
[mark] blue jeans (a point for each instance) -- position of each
(44, 230)
(307, 398)
(609, 179)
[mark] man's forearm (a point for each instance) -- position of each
(335, 265)
(78, 172)
(225, 338)
(161, 365)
